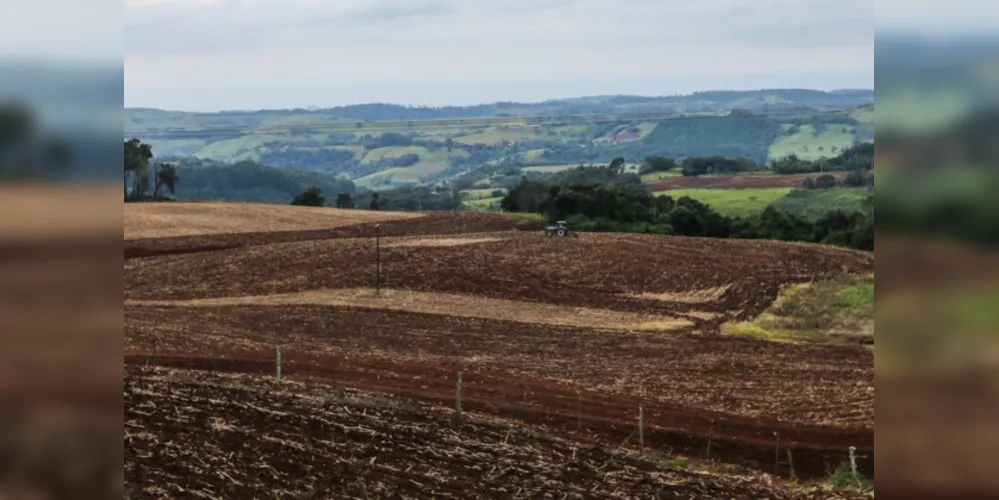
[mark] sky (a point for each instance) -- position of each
(208, 55)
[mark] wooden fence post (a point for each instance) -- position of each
(278, 364)
(790, 465)
(579, 412)
(457, 398)
(641, 429)
(777, 454)
(853, 464)
(711, 432)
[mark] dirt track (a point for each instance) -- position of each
(259, 439)
(736, 181)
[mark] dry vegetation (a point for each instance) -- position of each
(157, 220)
(568, 335)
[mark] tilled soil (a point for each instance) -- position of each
(737, 181)
(595, 270)
(191, 435)
(732, 399)
(432, 223)
(775, 382)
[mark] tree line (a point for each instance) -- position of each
(144, 179)
(147, 178)
(627, 208)
(858, 157)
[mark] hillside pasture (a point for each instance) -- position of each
(742, 181)
(732, 201)
(808, 145)
(814, 203)
(496, 135)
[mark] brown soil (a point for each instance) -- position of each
(736, 181)
(260, 439)
(695, 385)
(452, 223)
(446, 305)
(160, 220)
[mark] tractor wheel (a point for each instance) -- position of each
(561, 232)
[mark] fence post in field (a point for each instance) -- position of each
(777, 454)
(579, 411)
(853, 464)
(711, 432)
(457, 398)
(641, 429)
(277, 364)
(790, 465)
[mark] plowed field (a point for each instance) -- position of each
(570, 335)
(200, 435)
(736, 181)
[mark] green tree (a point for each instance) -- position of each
(166, 176)
(658, 164)
(137, 158)
(825, 181)
(375, 203)
(617, 165)
(312, 197)
(343, 200)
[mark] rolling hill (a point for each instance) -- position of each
(385, 145)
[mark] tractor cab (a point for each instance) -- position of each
(560, 228)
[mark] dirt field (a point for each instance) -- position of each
(736, 181)
(248, 433)
(569, 336)
(158, 220)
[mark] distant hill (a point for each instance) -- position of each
(382, 145)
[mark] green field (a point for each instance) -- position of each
(430, 163)
(733, 202)
(482, 204)
(478, 194)
(498, 135)
(655, 176)
(813, 203)
(549, 169)
(809, 146)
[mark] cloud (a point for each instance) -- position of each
(349, 43)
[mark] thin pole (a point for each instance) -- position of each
(378, 259)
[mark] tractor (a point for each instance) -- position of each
(560, 229)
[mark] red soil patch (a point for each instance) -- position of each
(736, 181)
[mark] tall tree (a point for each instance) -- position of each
(166, 176)
(343, 200)
(137, 158)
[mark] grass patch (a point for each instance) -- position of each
(732, 201)
(483, 204)
(478, 194)
(814, 203)
(811, 146)
(549, 168)
(528, 215)
(842, 478)
(834, 311)
(498, 135)
(655, 176)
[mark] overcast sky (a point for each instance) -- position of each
(251, 54)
